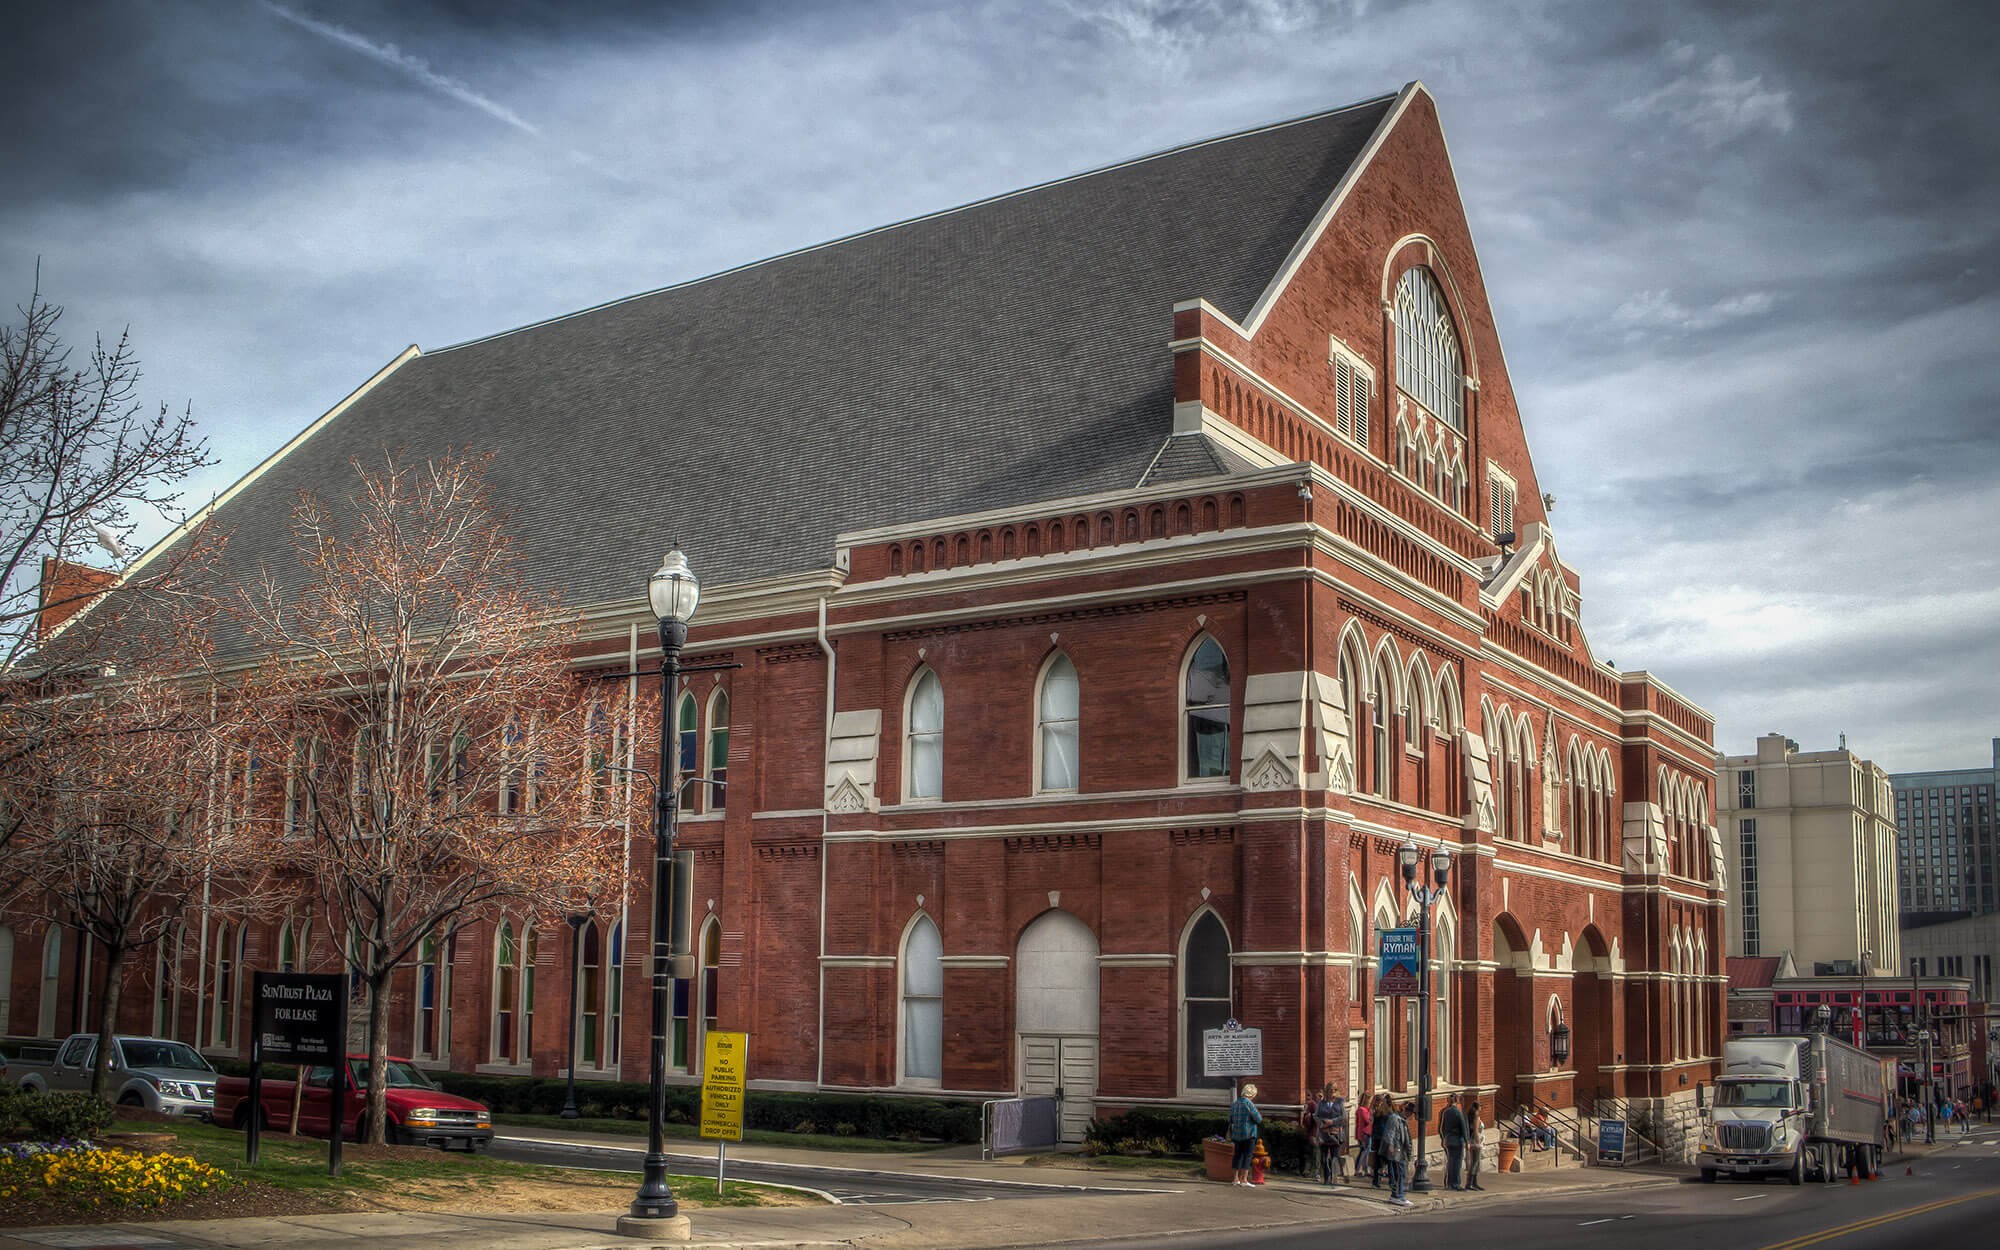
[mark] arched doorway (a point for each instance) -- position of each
(1513, 1042)
(1590, 1017)
(1055, 1015)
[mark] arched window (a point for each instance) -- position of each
(1496, 761)
(166, 975)
(288, 950)
(1357, 943)
(1444, 947)
(589, 993)
(1205, 712)
(1416, 711)
(1429, 365)
(718, 751)
(51, 979)
(1554, 1018)
(614, 996)
(923, 741)
(1056, 729)
(1350, 693)
(923, 1004)
(434, 997)
(1381, 742)
(1205, 999)
(687, 761)
(506, 993)
(707, 990)
(228, 950)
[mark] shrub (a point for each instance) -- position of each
(12, 1099)
(885, 1118)
(76, 1116)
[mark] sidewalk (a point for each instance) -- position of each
(1172, 1206)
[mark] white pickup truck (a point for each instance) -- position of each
(151, 1072)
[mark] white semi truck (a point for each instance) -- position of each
(1797, 1107)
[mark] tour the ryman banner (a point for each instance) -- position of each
(1396, 975)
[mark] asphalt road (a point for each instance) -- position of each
(885, 1187)
(1950, 1202)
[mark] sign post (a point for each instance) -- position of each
(723, 1071)
(300, 1018)
(1232, 1050)
(1396, 973)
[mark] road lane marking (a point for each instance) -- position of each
(1750, 1197)
(1587, 1223)
(1812, 1239)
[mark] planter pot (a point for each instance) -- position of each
(1215, 1157)
(1509, 1147)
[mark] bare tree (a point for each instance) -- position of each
(442, 760)
(123, 818)
(80, 459)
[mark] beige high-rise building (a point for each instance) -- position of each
(1811, 842)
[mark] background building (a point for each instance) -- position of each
(1967, 947)
(1945, 840)
(1814, 855)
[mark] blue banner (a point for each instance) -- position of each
(1396, 973)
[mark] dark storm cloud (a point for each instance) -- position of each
(1743, 256)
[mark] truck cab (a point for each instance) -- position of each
(1756, 1126)
(156, 1073)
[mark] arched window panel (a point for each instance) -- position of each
(1206, 712)
(1057, 705)
(506, 992)
(1429, 364)
(1385, 710)
(718, 751)
(923, 1003)
(1205, 996)
(924, 745)
(614, 995)
(589, 993)
(687, 753)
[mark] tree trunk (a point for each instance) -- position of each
(107, 1028)
(378, 1057)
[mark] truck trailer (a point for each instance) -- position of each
(1796, 1106)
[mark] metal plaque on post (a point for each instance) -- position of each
(299, 1018)
(1232, 1050)
(1396, 971)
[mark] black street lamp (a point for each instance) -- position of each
(1425, 896)
(673, 592)
(576, 922)
(1930, 1090)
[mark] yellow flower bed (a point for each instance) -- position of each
(107, 1178)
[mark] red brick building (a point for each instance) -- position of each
(1120, 570)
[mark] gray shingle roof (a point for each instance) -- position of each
(995, 354)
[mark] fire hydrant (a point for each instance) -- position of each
(1259, 1160)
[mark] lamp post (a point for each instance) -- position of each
(576, 922)
(1823, 1018)
(673, 593)
(1930, 1101)
(1425, 896)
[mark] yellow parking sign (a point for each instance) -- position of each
(722, 1085)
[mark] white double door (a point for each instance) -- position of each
(1052, 1062)
(1055, 1016)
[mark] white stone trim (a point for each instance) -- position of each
(857, 961)
(1135, 961)
(975, 961)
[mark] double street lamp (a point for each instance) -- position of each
(1424, 895)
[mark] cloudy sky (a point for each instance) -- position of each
(1744, 255)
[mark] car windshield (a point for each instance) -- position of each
(1754, 1094)
(401, 1075)
(153, 1054)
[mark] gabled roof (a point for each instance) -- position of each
(1751, 972)
(1006, 351)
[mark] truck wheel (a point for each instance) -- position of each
(1708, 1176)
(1797, 1176)
(131, 1100)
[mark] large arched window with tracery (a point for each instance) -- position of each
(1429, 365)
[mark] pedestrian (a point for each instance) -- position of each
(1364, 1136)
(1332, 1115)
(1395, 1146)
(1379, 1110)
(1451, 1131)
(1308, 1133)
(1475, 1140)
(1244, 1120)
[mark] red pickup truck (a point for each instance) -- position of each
(420, 1114)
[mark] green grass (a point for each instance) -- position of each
(690, 1132)
(299, 1165)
